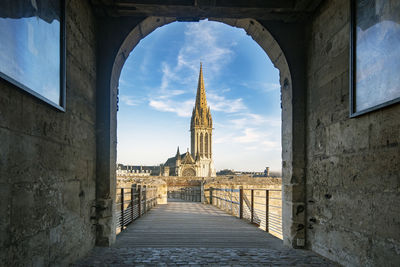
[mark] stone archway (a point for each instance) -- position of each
(293, 137)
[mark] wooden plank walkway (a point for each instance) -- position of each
(193, 234)
(191, 224)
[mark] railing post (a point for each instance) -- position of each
(241, 203)
(140, 200)
(133, 189)
(122, 209)
(211, 195)
(145, 198)
(202, 200)
(219, 198)
(231, 201)
(152, 198)
(226, 199)
(252, 206)
(266, 210)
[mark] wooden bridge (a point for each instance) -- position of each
(191, 233)
(192, 224)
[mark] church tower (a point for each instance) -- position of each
(201, 132)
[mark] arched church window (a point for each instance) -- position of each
(206, 141)
(201, 144)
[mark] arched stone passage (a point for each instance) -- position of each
(293, 150)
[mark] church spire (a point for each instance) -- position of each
(178, 154)
(201, 101)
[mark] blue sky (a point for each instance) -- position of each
(157, 91)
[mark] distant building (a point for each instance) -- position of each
(131, 170)
(225, 172)
(199, 162)
(266, 172)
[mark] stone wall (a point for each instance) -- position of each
(244, 182)
(47, 160)
(175, 184)
(146, 181)
(353, 165)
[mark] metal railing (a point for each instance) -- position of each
(262, 207)
(132, 203)
(191, 194)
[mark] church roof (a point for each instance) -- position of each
(172, 161)
(188, 158)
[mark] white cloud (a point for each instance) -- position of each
(168, 76)
(129, 100)
(221, 103)
(182, 109)
(270, 86)
(251, 131)
(264, 87)
(249, 135)
(202, 42)
(123, 83)
(251, 119)
(171, 93)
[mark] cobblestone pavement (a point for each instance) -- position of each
(202, 257)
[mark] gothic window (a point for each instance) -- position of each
(206, 141)
(210, 144)
(189, 172)
(201, 144)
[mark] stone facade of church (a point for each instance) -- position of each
(199, 162)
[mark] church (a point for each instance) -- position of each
(199, 162)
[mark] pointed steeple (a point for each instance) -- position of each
(201, 101)
(201, 124)
(178, 154)
(201, 116)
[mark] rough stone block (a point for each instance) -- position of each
(10, 96)
(71, 199)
